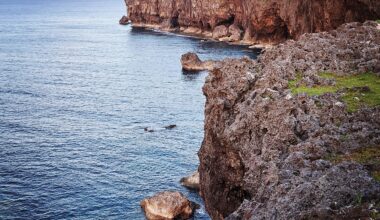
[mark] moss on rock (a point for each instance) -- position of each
(366, 156)
(357, 91)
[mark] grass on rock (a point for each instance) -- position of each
(361, 90)
(367, 156)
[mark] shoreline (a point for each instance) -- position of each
(202, 35)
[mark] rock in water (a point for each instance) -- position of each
(168, 205)
(170, 127)
(191, 182)
(191, 62)
(124, 20)
(147, 129)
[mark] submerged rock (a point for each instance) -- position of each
(191, 182)
(124, 20)
(155, 128)
(170, 127)
(191, 62)
(168, 205)
(147, 129)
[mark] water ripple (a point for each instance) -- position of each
(76, 92)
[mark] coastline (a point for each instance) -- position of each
(263, 142)
(256, 104)
(202, 35)
(290, 133)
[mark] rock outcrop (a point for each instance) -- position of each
(168, 205)
(124, 20)
(191, 182)
(270, 152)
(258, 21)
(191, 62)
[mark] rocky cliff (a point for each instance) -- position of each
(296, 134)
(253, 20)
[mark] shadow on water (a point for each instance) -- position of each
(204, 45)
(216, 46)
(193, 75)
(149, 31)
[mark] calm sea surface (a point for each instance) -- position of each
(76, 91)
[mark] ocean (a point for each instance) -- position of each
(76, 92)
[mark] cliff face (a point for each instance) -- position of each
(258, 20)
(271, 152)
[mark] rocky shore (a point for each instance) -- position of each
(248, 22)
(296, 134)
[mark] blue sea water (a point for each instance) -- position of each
(76, 91)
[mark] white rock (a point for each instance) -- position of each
(288, 96)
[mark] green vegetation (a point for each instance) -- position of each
(376, 175)
(361, 90)
(368, 156)
(378, 21)
(358, 199)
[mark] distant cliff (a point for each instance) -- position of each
(251, 21)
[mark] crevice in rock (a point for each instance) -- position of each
(228, 21)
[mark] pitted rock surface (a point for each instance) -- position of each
(167, 205)
(265, 150)
(260, 21)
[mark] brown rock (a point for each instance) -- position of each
(168, 205)
(124, 20)
(192, 181)
(220, 31)
(235, 33)
(265, 153)
(262, 21)
(191, 62)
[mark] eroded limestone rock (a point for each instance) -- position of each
(269, 153)
(191, 182)
(261, 21)
(168, 205)
(220, 31)
(124, 20)
(191, 62)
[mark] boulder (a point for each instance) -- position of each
(168, 205)
(220, 32)
(191, 62)
(124, 20)
(235, 33)
(191, 182)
